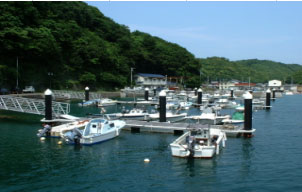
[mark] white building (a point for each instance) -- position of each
(276, 84)
(150, 80)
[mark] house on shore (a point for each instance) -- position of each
(275, 84)
(150, 80)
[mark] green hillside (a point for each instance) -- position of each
(259, 71)
(79, 46)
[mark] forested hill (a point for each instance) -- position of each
(79, 46)
(75, 45)
(260, 71)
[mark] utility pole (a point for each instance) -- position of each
(131, 76)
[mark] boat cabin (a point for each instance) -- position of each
(98, 126)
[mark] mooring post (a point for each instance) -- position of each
(195, 91)
(154, 91)
(162, 106)
(268, 99)
(48, 104)
(232, 93)
(87, 94)
(147, 94)
(199, 97)
(248, 106)
(274, 94)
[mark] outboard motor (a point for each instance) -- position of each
(73, 136)
(191, 144)
(45, 131)
(77, 136)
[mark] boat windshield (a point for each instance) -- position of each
(94, 126)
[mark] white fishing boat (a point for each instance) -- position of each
(96, 131)
(199, 143)
(258, 102)
(171, 117)
(216, 96)
(289, 93)
(237, 119)
(222, 102)
(106, 102)
(90, 102)
(185, 105)
(172, 105)
(240, 108)
(138, 114)
(208, 116)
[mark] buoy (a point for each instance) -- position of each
(59, 142)
(146, 160)
(42, 138)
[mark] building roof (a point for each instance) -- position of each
(150, 75)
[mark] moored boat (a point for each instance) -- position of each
(96, 131)
(199, 143)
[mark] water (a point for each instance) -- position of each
(270, 161)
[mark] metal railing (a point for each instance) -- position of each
(33, 106)
(74, 94)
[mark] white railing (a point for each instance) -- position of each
(33, 106)
(74, 94)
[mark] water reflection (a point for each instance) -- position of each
(247, 156)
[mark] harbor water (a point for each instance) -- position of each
(270, 161)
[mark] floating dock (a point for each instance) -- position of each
(180, 128)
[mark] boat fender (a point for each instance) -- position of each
(146, 160)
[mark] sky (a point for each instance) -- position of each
(234, 30)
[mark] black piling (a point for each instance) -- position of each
(199, 97)
(162, 106)
(232, 94)
(146, 94)
(87, 94)
(248, 106)
(48, 104)
(154, 92)
(268, 100)
(274, 95)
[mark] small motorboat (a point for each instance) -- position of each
(89, 103)
(237, 119)
(170, 116)
(289, 93)
(185, 105)
(240, 108)
(222, 102)
(96, 131)
(199, 143)
(208, 116)
(106, 102)
(138, 114)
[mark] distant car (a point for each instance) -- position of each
(4, 91)
(29, 89)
